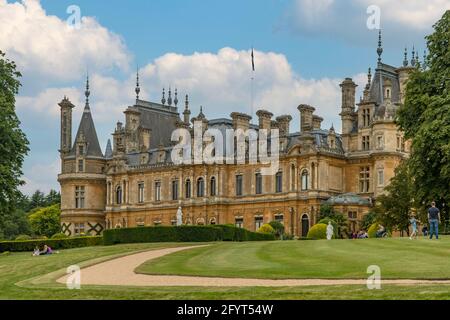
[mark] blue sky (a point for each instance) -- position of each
(304, 48)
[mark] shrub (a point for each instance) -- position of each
(266, 228)
(334, 224)
(68, 243)
(278, 227)
(372, 232)
(23, 237)
(181, 234)
(318, 231)
(59, 236)
(46, 221)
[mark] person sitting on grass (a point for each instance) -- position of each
(45, 251)
(36, 252)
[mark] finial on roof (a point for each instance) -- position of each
(138, 89)
(87, 92)
(163, 100)
(417, 59)
(186, 103)
(332, 127)
(405, 60)
(201, 115)
(369, 77)
(413, 59)
(169, 99)
(380, 48)
(176, 97)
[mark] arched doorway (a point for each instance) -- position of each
(305, 225)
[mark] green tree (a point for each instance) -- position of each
(395, 206)
(278, 227)
(13, 143)
(369, 219)
(46, 221)
(425, 119)
(37, 200)
(327, 212)
(53, 197)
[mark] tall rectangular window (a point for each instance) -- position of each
(258, 183)
(259, 221)
(79, 197)
(239, 185)
(80, 165)
(381, 177)
(141, 192)
(366, 143)
(239, 222)
(175, 190)
(158, 191)
(279, 182)
(364, 179)
(187, 189)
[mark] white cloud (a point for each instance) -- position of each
(415, 14)
(41, 177)
(410, 19)
(221, 83)
(46, 47)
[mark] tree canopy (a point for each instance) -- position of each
(425, 119)
(13, 143)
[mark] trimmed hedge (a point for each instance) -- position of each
(318, 231)
(232, 233)
(181, 234)
(55, 244)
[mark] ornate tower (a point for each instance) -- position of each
(82, 178)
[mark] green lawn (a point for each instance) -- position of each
(25, 277)
(398, 258)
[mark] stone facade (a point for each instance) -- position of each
(135, 183)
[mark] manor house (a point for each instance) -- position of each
(134, 181)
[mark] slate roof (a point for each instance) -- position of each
(160, 119)
(87, 129)
(348, 199)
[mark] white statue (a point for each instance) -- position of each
(330, 231)
(179, 217)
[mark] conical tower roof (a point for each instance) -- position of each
(86, 131)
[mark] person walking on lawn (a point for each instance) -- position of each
(434, 217)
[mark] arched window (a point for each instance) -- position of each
(119, 195)
(187, 189)
(305, 180)
(200, 187)
(213, 186)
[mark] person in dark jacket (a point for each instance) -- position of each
(434, 217)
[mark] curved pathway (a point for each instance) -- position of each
(120, 272)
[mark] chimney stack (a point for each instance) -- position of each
(306, 117)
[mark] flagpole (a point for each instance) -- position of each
(252, 84)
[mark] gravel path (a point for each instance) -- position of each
(120, 272)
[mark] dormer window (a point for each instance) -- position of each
(80, 150)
